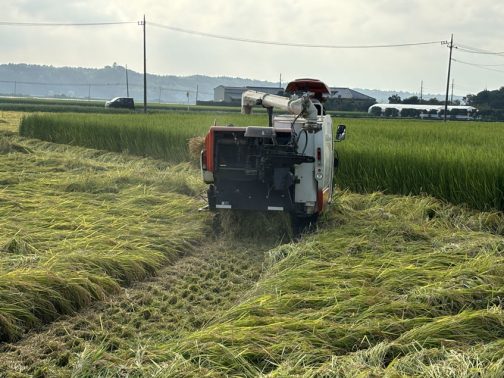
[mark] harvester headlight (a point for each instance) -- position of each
(319, 176)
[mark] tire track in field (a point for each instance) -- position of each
(119, 331)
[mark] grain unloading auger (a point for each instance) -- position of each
(286, 167)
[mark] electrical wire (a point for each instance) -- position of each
(289, 44)
(44, 24)
(477, 50)
(483, 67)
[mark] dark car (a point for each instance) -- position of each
(121, 102)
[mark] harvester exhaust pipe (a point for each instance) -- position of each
(297, 106)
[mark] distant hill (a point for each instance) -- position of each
(110, 81)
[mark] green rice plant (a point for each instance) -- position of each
(162, 136)
(461, 162)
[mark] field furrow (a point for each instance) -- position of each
(119, 333)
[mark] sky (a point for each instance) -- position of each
(474, 24)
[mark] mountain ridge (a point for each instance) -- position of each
(21, 79)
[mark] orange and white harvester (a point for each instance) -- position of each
(288, 166)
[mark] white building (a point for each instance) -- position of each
(423, 111)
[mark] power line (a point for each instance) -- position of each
(483, 67)
(219, 36)
(461, 49)
(7, 23)
(289, 44)
(477, 50)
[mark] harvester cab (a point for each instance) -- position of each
(286, 167)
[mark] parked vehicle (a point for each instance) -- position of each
(121, 102)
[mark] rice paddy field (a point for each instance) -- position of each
(156, 135)
(460, 162)
(108, 269)
(62, 212)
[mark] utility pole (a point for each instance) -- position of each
(142, 23)
(280, 86)
(127, 84)
(197, 91)
(421, 91)
(160, 95)
(448, 79)
(453, 84)
(89, 92)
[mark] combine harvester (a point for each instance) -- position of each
(286, 167)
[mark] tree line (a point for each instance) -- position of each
(415, 100)
(489, 103)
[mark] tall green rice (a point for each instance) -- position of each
(461, 162)
(162, 136)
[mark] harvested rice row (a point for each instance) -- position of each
(385, 280)
(77, 224)
(115, 337)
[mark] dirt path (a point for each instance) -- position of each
(119, 332)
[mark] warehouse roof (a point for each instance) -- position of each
(347, 93)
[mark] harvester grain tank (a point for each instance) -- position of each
(286, 167)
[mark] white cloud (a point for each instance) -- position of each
(476, 24)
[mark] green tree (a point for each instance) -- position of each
(433, 101)
(486, 99)
(411, 100)
(394, 99)
(489, 103)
